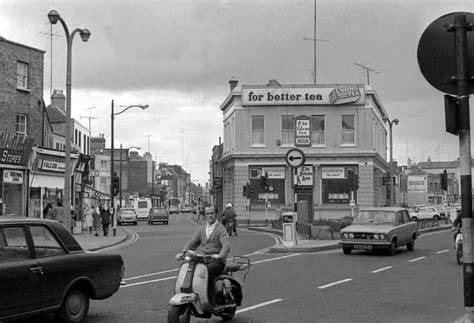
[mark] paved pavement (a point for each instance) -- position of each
(93, 243)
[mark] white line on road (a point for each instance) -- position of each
(335, 283)
(148, 281)
(152, 274)
(381, 269)
(416, 259)
(259, 305)
(271, 259)
(443, 251)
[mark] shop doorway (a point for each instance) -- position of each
(306, 194)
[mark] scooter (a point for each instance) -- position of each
(191, 289)
(229, 225)
(458, 246)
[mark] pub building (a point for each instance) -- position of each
(339, 128)
(15, 153)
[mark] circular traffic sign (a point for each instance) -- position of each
(437, 53)
(295, 157)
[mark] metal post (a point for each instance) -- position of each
(112, 200)
(152, 180)
(120, 183)
(391, 164)
(465, 163)
(295, 208)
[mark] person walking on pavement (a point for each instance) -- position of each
(97, 219)
(48, 212)
(105, 216)
(228, 216)
(89, 219)
(58, 211)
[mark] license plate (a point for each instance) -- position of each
(363, 246)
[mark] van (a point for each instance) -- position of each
(142, 206)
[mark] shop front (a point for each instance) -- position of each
(15, 152)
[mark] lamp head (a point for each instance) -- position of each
(144, 106)
(395, 121)
(53, 16)
(85, 34)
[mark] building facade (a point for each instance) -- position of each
(339, 128)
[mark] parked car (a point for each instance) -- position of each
(174, 209)
(127, 215)
(425, 212)
(44, 270)
(385, 228)
(158, 214)
(443, 211)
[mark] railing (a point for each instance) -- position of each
(302, 228)
(430, 223)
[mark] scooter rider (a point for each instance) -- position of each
(213, 240)
(229, 215)
(457, 223)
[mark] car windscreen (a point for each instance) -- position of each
(374, 217)
(159, 210)
(127, 211)
(142, 204)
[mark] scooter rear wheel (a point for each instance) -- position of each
(179, 313)
(229, 314)
(459, 255)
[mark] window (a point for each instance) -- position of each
(45, 243)
(318, 136)
(287, 130)
(103, 181)
(348, 130)
(22, 75)
(21, 124)
(103, 163)
(13, 244)
(258, 130)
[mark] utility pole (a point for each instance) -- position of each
(90, 117)
(148, 136)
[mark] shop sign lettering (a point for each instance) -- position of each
(272, 172)
(304, 176)
(52, 166)
(13, 177)
(416, 184)
(345, 94)
(332, 173)
(13, 142)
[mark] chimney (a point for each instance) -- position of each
(58, 99)
(233, 83)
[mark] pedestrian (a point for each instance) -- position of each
(48, 212)
(97, 219)
(105, 216)
(58, 211)
(89, 220)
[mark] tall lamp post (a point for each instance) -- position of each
(390, 125)
(112, 173)
(54, 17)
(128, 148)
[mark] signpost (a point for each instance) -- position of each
(294, 159)
(444, 50)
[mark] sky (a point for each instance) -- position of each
(177, 56)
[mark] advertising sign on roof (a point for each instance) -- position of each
(303, 95)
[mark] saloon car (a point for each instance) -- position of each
(158, 214)
(383, 228)
(127, 215)
(44, 270)
(425, 212)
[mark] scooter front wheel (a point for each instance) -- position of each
(179, 313)
(459, 255)
(229, 314)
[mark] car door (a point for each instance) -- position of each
(52, 257)
(404, 225)
(20, 275)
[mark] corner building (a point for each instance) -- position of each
(339, 127)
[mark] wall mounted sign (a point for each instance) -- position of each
(12, 176)
(302, 131)
(332, 173)
(304, 176)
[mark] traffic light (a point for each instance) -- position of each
(350, 179)
(251, 191)
(115, 185)
(444, 180)
(245, 190)
(264, 182)
(356, 182)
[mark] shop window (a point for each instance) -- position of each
(22, 75)
(258, 130)
(21, 122)
(335, 185)
(318, 135)
(348, 129)
(287, 130)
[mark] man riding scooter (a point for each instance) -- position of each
(229, 217)
(213, 240)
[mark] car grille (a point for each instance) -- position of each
(363, 236)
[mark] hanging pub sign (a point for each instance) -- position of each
(304, 176)
(302, 131)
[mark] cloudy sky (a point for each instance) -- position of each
(177, 57)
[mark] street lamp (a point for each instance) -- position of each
(54, 17)
(390, 124)
(112, 173)
(138, 148)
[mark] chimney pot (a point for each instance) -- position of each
(233, 83)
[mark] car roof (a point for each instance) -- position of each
(65, 236)
(384, 208)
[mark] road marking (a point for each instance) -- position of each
(416, 259)
(443, 251)
(148, 281)
(271, 259)
(381, 269)
(335, 283)
(259, 305)
(152, 274)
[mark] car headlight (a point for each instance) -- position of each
(346, 235)
(351, 235)
(382, 236)
(376, 236)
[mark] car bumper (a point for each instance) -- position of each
(364, 245)
(159, 219)
(127, 220)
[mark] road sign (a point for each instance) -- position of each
(437, 53)
(295, 157)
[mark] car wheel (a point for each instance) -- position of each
(436, 218)
(414, 218)
(75, 306)
(411, 244)
(135, 223)
(166, 222)
(346, 250)
(119, 223)
(392, 248)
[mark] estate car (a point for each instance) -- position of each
(44, 270)
(127, 215)
(385, 228)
